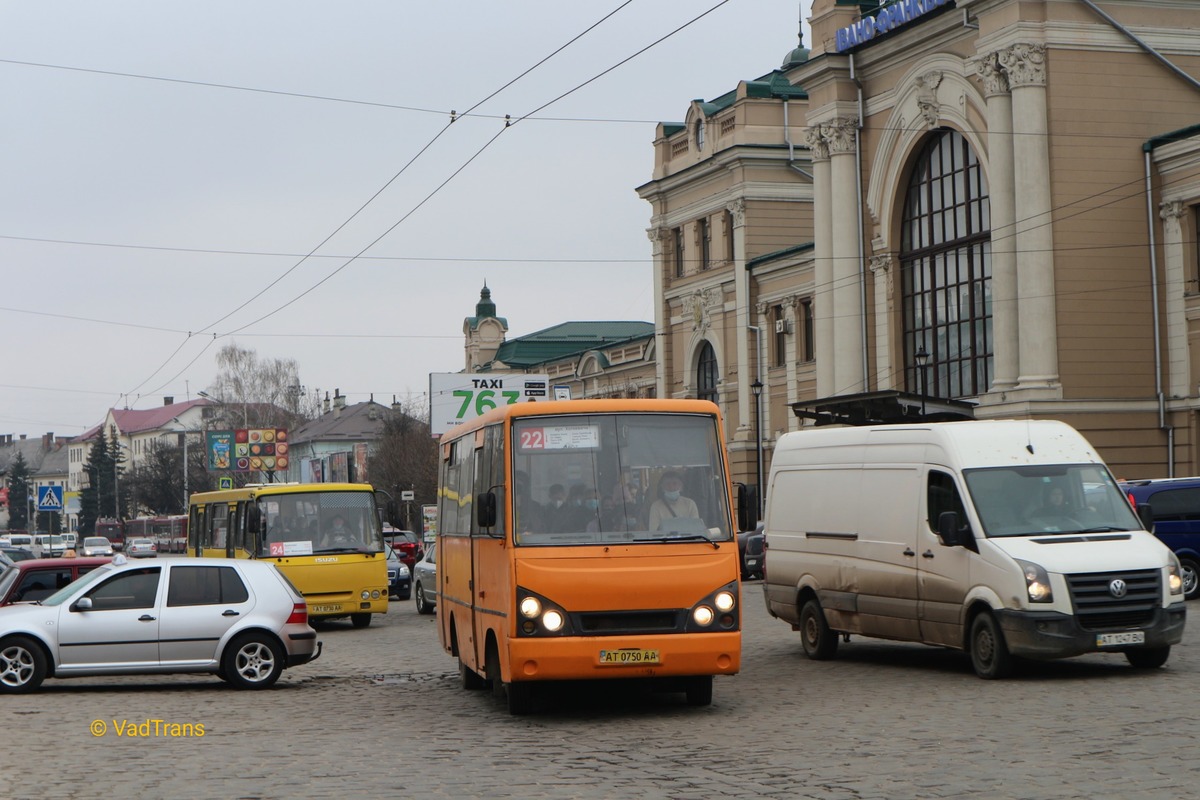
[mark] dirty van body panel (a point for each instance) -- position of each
(886, 552)
(846, 506)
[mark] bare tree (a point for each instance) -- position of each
(256, 392)
(405, 458)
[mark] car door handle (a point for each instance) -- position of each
(229, 612)
(927, 554)
(146, 618)
(908, 551)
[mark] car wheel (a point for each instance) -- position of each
(1191, 577)
(252, 661)
(22, 665)
(423, 606)
(1149, 657)
(989, 653)
(360, 620)
(820, 642)
(699, 690)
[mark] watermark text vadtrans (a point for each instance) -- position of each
(147, 729)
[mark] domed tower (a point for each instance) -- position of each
(483, 333)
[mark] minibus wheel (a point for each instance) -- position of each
(360, 620)
(699, 690)
(989, 653)
(820, 643)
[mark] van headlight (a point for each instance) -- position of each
(1037, 582)
(1174, 575)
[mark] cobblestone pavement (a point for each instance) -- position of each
(381, 714)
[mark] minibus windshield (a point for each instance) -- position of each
(1049, 498)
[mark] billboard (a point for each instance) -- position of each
(457, 397)
(247, 449)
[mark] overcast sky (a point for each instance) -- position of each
(167, 166)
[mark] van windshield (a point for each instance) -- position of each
(1049, 498)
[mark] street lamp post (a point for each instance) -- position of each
(757, 388)
(921, 357)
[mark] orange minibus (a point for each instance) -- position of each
(588, 539)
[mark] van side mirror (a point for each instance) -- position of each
(1146, 515)
(485, 510)
(948, 528)
(747, 507)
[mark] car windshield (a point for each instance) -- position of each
(622, 478)
(96, 541)
(1041, 499)
(304, 523)
(86, 579)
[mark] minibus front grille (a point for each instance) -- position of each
(1098, 608)
(614, 623)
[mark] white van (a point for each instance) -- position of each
(999, 538)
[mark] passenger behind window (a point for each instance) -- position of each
(671, 504)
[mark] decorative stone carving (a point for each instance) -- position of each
(658, 239)
(1025, 64)
(762, 307)
(700, 306)
(816, 141)
(738, 209)
(927, 100)
(881, 267)
(1171, 212)
(839, 134)
(995, 79)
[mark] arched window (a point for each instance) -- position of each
(946, 270)
(706, 373)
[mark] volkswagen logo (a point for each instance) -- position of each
(1118, 588)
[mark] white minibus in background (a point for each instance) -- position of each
(998, 538)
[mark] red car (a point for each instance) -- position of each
(406, 544)
(38, 578)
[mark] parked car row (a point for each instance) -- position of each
(239, 619)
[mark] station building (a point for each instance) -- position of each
(945, 209)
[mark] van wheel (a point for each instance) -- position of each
(1191, 578)
(1149, 657)
(989, 653)
(820, 643)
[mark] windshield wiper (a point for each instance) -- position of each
(685, 537)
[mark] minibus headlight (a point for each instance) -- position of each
(1174, 576)
(1037, 582)
(552, 621)
(703, 615)
(530, 607)
(724, 601)
(366, 594)
(375, 594)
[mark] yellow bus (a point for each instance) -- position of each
(589, 539)
(325, 537)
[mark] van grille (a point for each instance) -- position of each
(1098, 609)
(612, 623)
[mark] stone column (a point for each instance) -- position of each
(741, 288)
(1025, 65)
(848, 375)
(822, 265)
(791, 357)
(890, 374)
(761, 319)
(1174, 285)
(1005, 336)
(662, 318)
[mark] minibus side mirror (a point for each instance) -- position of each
(952, 535)
(485, 510)
(1146, 515)
(253, 518)
(747, 507)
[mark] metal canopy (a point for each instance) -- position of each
(883, 408)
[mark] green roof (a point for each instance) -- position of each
(566, 339)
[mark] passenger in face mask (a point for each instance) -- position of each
(556, 514)
(671, 503)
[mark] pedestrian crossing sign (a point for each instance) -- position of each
(50, 498)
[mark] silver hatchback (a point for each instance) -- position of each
(240, 620)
